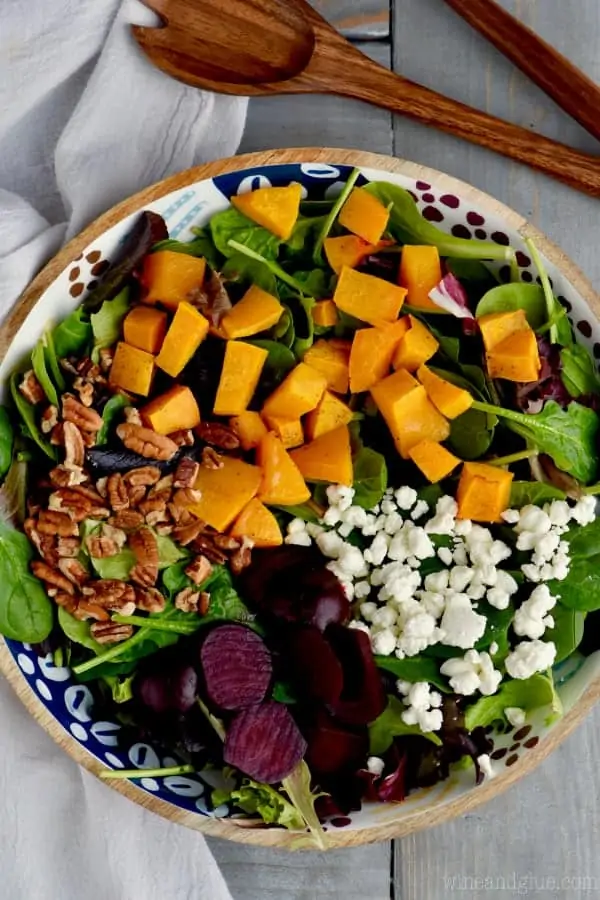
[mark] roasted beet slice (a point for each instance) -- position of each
(334, 748)
(313, 666)
(264, 742)
(363, 696)
(170, 690)
(237, 666)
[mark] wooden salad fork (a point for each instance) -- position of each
(266, 47)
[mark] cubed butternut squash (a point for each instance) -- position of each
(434, 461)
(331, 413)
(364, 215)
(224, 492)
(242, 367)
(168, 277)
(516, 358)
(256, 311)
(420, 271)
(367, 297)
(451, 400)
(325, 313)
(331, 359)
(132, 369)
(257, 523)
(416, 347)
(145, 328)
(289, 431)
(174, 410)
(275, 208)
(409, 413)
(298, 393)
(249, 427)
(483, 492)
(496, 327)
(186, 332)
(327, 458)
(372, 353)
(347, 250)
(282, 482)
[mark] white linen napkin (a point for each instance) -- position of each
(85, 121)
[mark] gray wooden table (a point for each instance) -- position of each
(540, 839)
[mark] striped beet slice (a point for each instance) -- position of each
(236, 665)
(264, 742)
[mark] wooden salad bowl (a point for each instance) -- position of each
(434, 805)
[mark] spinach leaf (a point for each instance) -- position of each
(108, 321)
(472, 273)
(233, 225)
(567, 633)
(52, 362)
(304, 326)
(27, 414)
(119, 566)
(73, 335)
(120, 686)
(408, 226)
(280, 359)
(240, 268)
(225, 602)
(77, 631)
(414, 668)
(116, 404)
(26, 612)
(581, 588)
(201, 245)
(284, 331)
(304, 511)
(7, 438)
(13, 494)
(567, 435)
(255, 798)
(390, 725)
(370, 477)
(314, 283)
(38, 364)
(534, 492)
(471, 434)
(527, 693)
(516, 295)
(578, 371)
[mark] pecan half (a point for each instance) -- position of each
(86, 610)
(110, 593)
(75, 505)
(187, 497)
(146, 442)
(68, 547)
(53, 522)
(154, 511)
(57, 435)
(106, 359)
(224, 542)
(145, 549)
(150, 600)
(101, 547)
(53, 578)
(132, 415)
(199, 569)
(162, 488)
(204, 544)
(73, 570)
(83, 417)
(118, 497)
(67, 601)
(242, 558)
(85, 390)
(67, 476)
(183, 438)
(188, 600)
(74, 445)
(114, 534)
(110, 632)
(180, 514)
(49, 419)
(218, 435)
(102, 487)
(186, 473)
(211, 459)
(145, 475)
(127, 519)
(31, 389)
(185, 534)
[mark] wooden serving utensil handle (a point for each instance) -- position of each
(365, 80)
(574, 92)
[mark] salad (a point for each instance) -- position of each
(308, 500)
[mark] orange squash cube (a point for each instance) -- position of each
(255, 312)
(282, 482)
(175, 410)
(298, 393)
(434, 461)
(451, 400)
(327, 458)
(242, 367)
(249, 427)
(275, 208)
(496, 327)
(483, 492)
(367, 297)
(325, 314)
(372, 353)
(257, 523)
(169, 277)
(132, 369)
(409, 413)
(420, 272)
(289, 431)
(364, 215)
(331, 359)
(186, 332)
(347, 250)
(516, 358)
(329, 414)
(416, 347)
(145, 328)
(225, 491)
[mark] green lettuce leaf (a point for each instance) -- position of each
(527, 693)
(390, 725)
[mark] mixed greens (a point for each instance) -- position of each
(308, 499)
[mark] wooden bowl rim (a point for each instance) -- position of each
(410, 822)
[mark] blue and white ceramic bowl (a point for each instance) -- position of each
(64, 707)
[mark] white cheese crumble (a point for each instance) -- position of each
(515, 716)
(485, 764)
(532, 619)
(473, 672)
(423, 705)
(375, 765)
(461, 626)
(530, 657)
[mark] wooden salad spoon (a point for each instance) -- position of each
(254, 47)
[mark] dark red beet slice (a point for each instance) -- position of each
(264, 742)
(363, 696)
(237, 666)
(334, 748)
(313, 666)
(168, 690)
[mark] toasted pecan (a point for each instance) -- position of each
(146, 442)
(85, 418)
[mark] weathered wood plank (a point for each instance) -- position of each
(297, 121)
(366, 20)
(255, 874)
